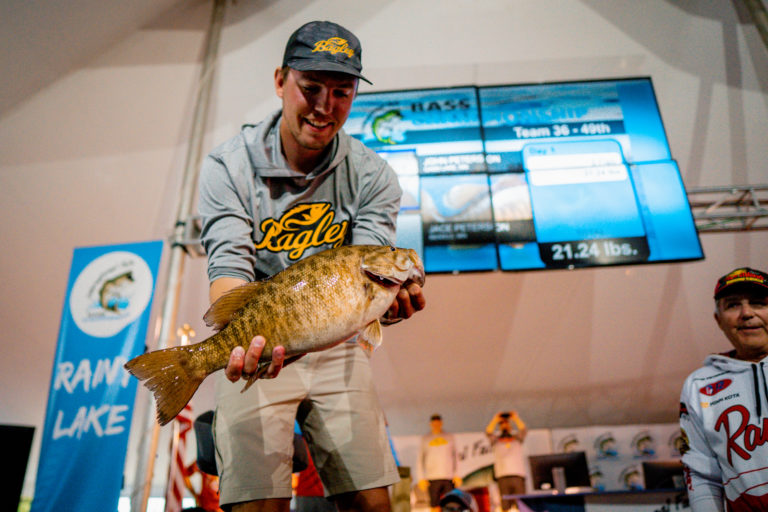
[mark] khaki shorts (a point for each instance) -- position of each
(340, 418)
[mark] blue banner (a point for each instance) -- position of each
(90, 402)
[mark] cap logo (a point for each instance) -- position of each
(334, 45)
(743, 275)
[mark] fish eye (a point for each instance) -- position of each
(392, 248)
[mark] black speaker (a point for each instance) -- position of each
(17, 441)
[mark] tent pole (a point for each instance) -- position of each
(145, 464)
(759, 17)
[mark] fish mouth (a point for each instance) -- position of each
(396, 269)
(417, 276)
(385, 281)
(417, 273)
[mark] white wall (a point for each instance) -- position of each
(96, 158)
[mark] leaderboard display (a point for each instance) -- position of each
(520, 177)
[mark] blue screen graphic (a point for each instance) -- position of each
(518, 177)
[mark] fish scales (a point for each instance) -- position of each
(312, 305)
(322, 290)
(296, 327)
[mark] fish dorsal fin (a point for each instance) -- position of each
(371, 337)
(221, 312)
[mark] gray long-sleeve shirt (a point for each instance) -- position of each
(259, 216)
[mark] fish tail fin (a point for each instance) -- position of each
(172, 377)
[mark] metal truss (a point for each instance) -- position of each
(729, 208)
(190, 237)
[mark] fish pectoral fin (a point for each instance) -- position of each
(263, 367)
(221, 312)
(261, 370)
(371, 337)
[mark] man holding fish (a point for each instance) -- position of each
(282, 191)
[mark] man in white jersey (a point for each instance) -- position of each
(724, 405)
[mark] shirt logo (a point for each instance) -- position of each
(334, 45)
(715, 388)
(301, 227)
(742, 437)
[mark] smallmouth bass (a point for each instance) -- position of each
(316, 303)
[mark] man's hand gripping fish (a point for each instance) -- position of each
(316, 303)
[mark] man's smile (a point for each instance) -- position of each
(320, 125)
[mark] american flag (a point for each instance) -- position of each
(177, 470)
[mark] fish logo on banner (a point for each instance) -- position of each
(631, 477)
(110, 293)
(569, 443)
(643, 444)
(605, 446)
(677, 443)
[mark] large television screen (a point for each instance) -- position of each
(520, 177)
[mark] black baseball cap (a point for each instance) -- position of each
(324, 46)
(740, 279)
(435, 417)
